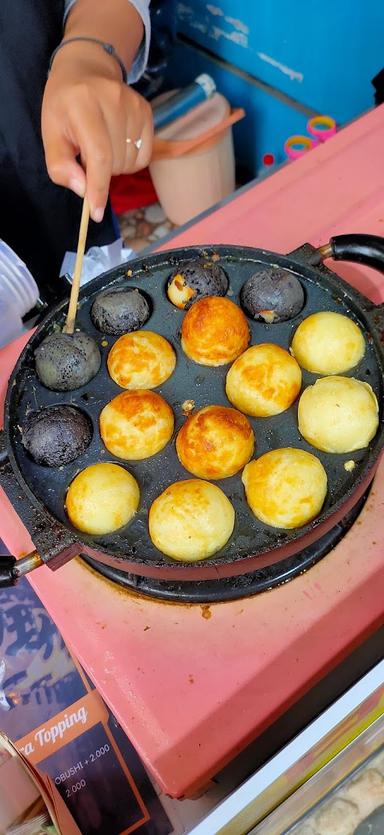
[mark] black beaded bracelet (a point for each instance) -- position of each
(108, 48)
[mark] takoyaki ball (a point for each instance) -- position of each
(102, 498)
(272, 294)
(215, 442)
(191, 520)
(65, 362)
(285, 488)
(338, 414)
(328, 343)
(214, 331)
(56, 435)
(141, 360)
(263, 381)
(119, 311)
(136, 424)
(195, 279)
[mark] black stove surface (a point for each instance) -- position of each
(233, 588)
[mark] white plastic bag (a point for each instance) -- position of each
(97, 260)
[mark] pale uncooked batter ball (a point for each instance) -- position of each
(102, 498)
(264, 381)
(215, 442)
(285, 487)
(338, 414)
(136, 424)
(214, 331)
(191, 520)
(141, 360)
(328, 343)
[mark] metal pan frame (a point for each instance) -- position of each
(253, 545)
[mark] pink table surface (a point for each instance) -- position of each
(191, 685)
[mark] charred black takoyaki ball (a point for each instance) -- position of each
(120, 311)
(272, 295)
(65, 362)
(56, 435)
(195, 279)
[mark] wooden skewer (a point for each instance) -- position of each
(69, 326)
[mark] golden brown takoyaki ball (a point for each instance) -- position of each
(191, 520)
(102, 498)
(285, 487)
(141, 360)
(136, 424)
(214, 331)
(264, 381)
(215, 442)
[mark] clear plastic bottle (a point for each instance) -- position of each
(18, 294)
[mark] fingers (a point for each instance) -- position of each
(94, 123)
(90, 134)
(144, 154)
(131, 154)
(60, 157)
(139, 127)
(82, 132)
(128, 118)
(97, 154)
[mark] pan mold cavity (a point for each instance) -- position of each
(56, 435)
(196, 279)
(65, 362)
(271, 295)
(119, 311)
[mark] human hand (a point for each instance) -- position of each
(89, 113)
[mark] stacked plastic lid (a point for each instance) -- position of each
(17, 283)
(18, 294)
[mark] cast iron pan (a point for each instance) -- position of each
(252, 545)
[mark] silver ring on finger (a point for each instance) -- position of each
(136, 142)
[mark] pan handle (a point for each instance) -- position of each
(54, 543)
(12, 569)
(7, 576)
(363, 249)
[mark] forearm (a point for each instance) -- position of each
(112, 21)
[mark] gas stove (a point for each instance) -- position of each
(193, 683)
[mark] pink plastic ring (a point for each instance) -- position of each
(296, 146)
(322, 127)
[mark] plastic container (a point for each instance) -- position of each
(18, 294)
(193, 165)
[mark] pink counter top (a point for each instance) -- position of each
(191, 685)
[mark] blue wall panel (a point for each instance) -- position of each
(323, 54)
